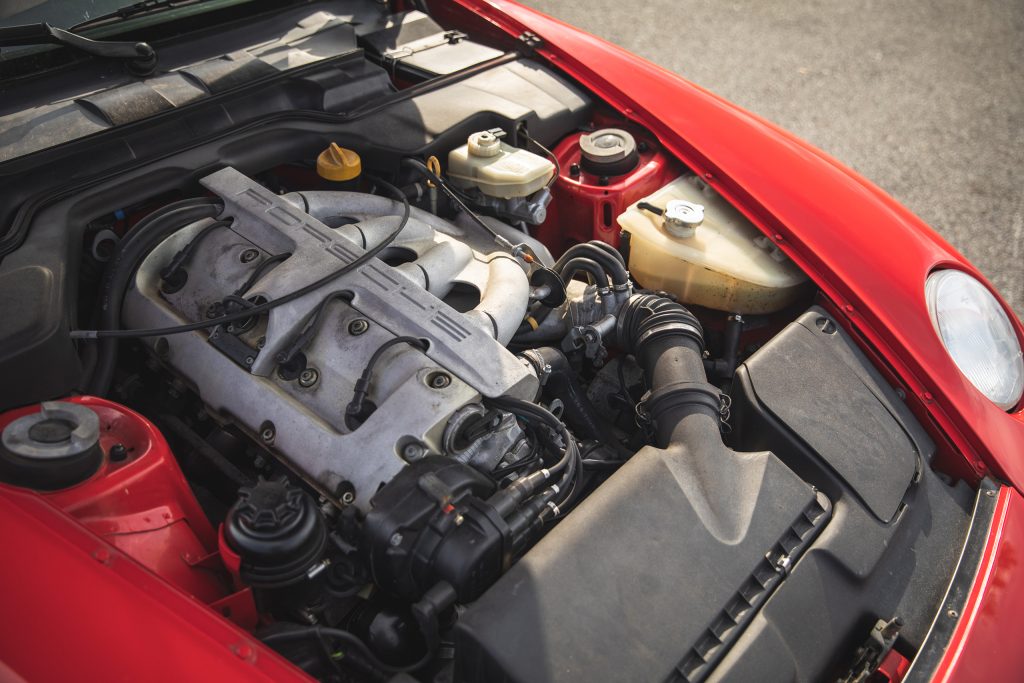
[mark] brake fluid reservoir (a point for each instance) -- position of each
(498, 169)
(687, 240)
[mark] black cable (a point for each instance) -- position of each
(321, 633)
(507, 501)
(573, 487)
(600, 463)
(547, 505)
(422, 169)
(537, 412)
(259, 271)
(136, 244)
(498, 474)
(576, 494)
(355, 406)
(306, 335)
(264, 307)
(183, 255)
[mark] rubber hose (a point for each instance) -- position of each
(604, 246)
(611, 265)
(574, 265)
(140, 240)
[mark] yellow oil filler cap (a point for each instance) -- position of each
(338, 164)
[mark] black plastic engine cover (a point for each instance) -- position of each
(814, 381)
(648, 577)
(635, 583)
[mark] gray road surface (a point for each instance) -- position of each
(923, 97)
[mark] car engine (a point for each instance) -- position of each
(289, 377)
(448, 369)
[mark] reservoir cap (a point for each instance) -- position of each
(682, 217)
(338, 164)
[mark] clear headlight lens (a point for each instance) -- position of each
(978, 335)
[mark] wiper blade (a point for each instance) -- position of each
(141, 57)
(122, 13)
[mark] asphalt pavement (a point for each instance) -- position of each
(923, 97)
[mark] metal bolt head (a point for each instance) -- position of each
(345, 492)
(395, 540)
(249, 255)
(413, 451)
(249, 360)
(358, 326)
(268, 432)
(440, 380)
(309, 377)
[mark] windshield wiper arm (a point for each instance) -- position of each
(142, 7)
(141, 57)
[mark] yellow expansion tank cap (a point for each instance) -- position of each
(338, 164)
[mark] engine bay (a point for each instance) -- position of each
(447, 369)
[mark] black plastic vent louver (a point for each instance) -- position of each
(766, 577)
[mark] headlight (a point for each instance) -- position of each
(978, 335)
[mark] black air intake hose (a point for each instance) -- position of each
(668, 342)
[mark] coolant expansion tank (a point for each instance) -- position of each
(687, 240)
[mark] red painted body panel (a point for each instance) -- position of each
(867, 253)
(143, 506)
(986, 645)
(583, 209)
(104, 616)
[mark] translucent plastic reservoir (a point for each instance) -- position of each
(498, 169)
(724, 263)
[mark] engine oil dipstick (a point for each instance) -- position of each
(434, 165)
